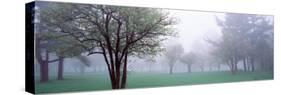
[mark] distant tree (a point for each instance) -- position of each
(189, 59)
(173, 54)
(217, 59)
(64, 47)
(42, 52)
(131, 67)
(42, 57)
(150, 61)
(59, 45)
(245, 38)
(261, 43)
(201, 61)
(49, 38)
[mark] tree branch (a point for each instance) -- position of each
(54, 60)
(90, 53)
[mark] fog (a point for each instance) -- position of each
(192, 28)
(82, 47)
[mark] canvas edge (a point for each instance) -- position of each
(29, 47)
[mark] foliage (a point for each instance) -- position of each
(245, 37)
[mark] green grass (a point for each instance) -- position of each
(91, 81)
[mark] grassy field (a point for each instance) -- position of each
(87, 82)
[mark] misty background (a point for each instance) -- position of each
(193, 28)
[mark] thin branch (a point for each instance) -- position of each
(90, 53)
(54, 60)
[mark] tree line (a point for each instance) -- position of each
(245, 38)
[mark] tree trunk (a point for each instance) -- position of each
(262, 62)
(117, 80)
(150, 67)
(219, 67)
(233, 66)
(43, 63)
(210, 68)
(248, 64)
(112, 79)
(244, 64)
(44, 72)
(252, 64)
(124, 75)
(82, 69)
(202, 68)
(171, 70)
(60, 69)
(189, 68)
(110, 70)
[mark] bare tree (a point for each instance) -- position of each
(189, 59)
(172, 54)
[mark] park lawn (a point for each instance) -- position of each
(91, 82)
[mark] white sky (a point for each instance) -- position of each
(193, 27)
